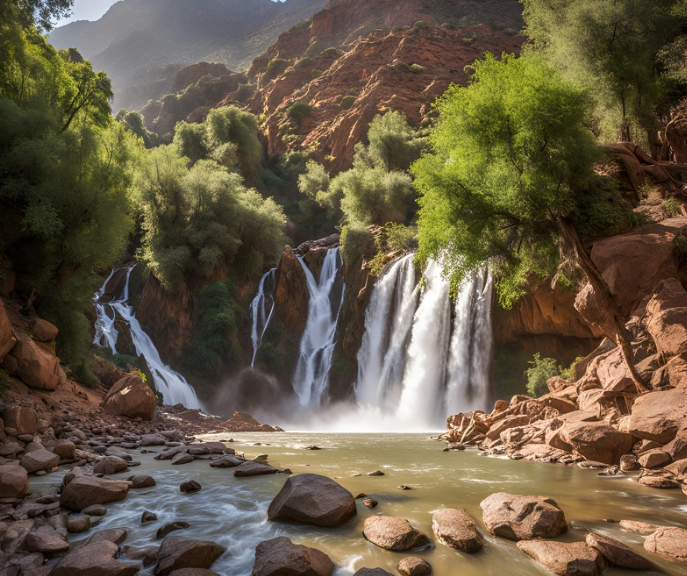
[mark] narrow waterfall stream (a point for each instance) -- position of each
(171, 385)
(261, 310)
(311, 377)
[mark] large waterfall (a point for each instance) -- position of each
(311, 378)
(261, 310)
(172, 386)
(419, 362)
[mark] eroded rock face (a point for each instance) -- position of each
(280, 557)
(313, 499)
(564, 559)
(393, 533)
(85, 491)
(523, 517)
(14, 481)
(131, 397)
(669, 542)
(178, 552)
(666, 318)
(7, 339)
(455, 528)
(617, 553)
(291, 294)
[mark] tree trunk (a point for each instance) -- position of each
(603, 292)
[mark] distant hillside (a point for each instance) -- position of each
(135, 39)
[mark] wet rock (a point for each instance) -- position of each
(193, 572)
(14, 481)
(78, 524)
(65, 449)
(617, 553)
(182, 458)
(227, 461)
(85, 491)
(393, 533)
(139, 481)
(171, 527)
(177, 552)
(153, 440)
(629, 463)
(413, 566)
(455, 528)
(95, 510)
(370, 503)
(639, 527)
(523, 517)
(114, 535)
(372, 572)
(658, 481)
(280, 557)
(148, 517)
(23, 419)
(38, 460)
(565, 559)
(669, 542)
(312, 448)
(130, 397)
(45, 543)
(254, 469)
(110, 465)
(97, 559)
(190, 487)
(376, 473)
(313, 499)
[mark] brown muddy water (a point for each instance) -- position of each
(232, 511)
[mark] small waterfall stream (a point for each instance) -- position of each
(311, 377)
(261, 310)
(171, 385)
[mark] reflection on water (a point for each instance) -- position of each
(232, 511)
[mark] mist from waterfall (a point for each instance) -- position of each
(172, 386)
(261, 310)
(311, 377)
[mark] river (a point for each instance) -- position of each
(232, 511)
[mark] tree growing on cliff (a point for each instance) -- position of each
(510, 157)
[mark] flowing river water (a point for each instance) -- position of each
(232, 511)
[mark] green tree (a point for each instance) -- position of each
(510, 155)
(613, 48)
(541, 370)
(394, 145)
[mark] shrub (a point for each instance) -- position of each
(347, 101)
(124, 362)
(420, 24)
(417, 68)
(330, 52)
(274, 69)
(299, 110)
(672, 207)
(540, 371)
(315, 74)
(304, 62)
(356, 241)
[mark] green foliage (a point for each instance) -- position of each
(601, 210)
(191, 142)
(539, 373)
(393, 144)
(356, 241)
(134, 122)
(509, 154)
(417, 68)
(330, 52)
(124, 362)
(419, 25)
(304, 63)
(393, 239)
(297, 111)
(612, 47)
(83, 374)
(275, 67)
(672, 207)
(271, 179)
(347, 101)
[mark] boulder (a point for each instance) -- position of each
(669, 542)
(110, 465)
(130, 397)
(35, 366)
(372, 572)
(170, 527)
(193, 572)
(639, 527)
(393, 533)
(38, 460)
(677, 447)
(596, 441)
(564, 559)
(23, 419)
(78, 524)
(44, 331)
(178, 552)
(227, 461)
(413, 566)
(658, 481)
(190, 487)
(254, 469)
(153, 440)
(141, 481)
(523, 517)
(65, 449)
(7, 338)
(45, 543)
(456, 529)
(85, 491)
(666, 318)
(182, 458)
(654, 459)
(281, 557)
(97, 559)
(658, 416)
(617, 553)
(313, 499)
(14, 481)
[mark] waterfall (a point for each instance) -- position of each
(261, 310)
(416, 365)
(311, 377)
(171, 385)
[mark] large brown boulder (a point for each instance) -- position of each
(23, 419)
(372, 572)
(393, 533)
(254, 469)
(131, 397)
(14, 481)
(291, 294)
(44, 331)
(85, 491)
(523, 517)
(313, 499)
(617, 553)
(35, 366)
(38, 460)
(564, 559)
(666, 318)
(597, 441)
(281, 557)
(110, 465)
(7, 339)
(669, 542)
(97, 559)
(178, 552)
(658, 416)
(456, 529)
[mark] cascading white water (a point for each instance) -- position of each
(261, 310)
(311, 377)
(171, 385)
(415, 365)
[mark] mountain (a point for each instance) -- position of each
(137, 38)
